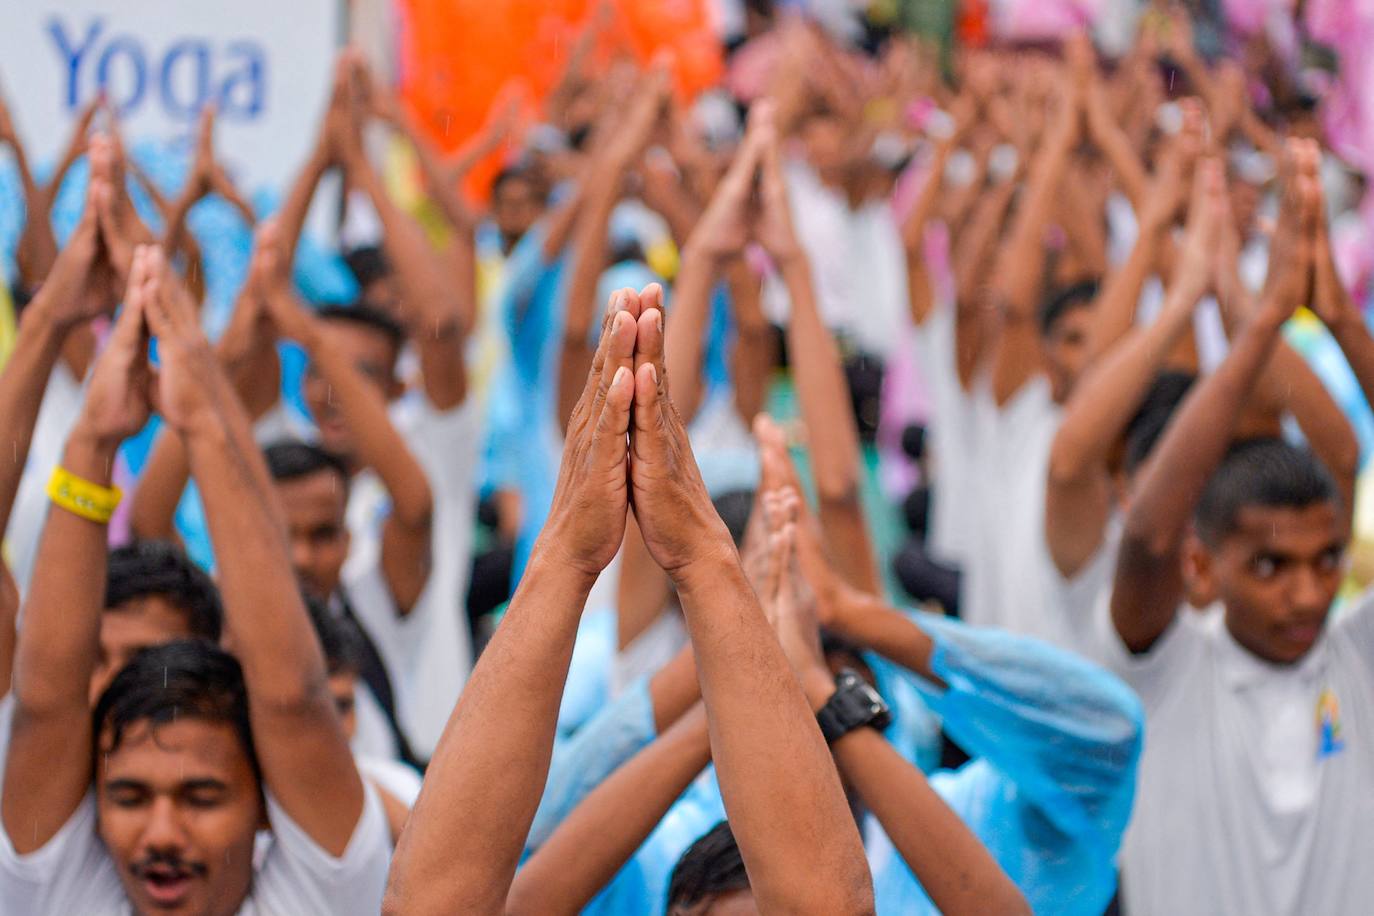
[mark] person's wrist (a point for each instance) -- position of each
(44, 319)
(90, 451)
(547, 558)
(819, 686)
(708, 562)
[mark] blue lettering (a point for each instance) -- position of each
(196, 55)
(242, 92)
(71, 56)
(137, 67)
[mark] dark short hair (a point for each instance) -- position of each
(1062, 301)
(182, 679)
(157, 568)
(733, 507)
(710, 867)
(289, 460)
(366, 316)
(1151, 419)
(368, 264)
(338, 639)
(519, 172)
(1269, 473)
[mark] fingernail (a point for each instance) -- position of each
(653, 370)
(620, 375)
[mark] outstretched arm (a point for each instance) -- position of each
(822, 389)
(1078, 496)
(1148, 585)
(616, 145)
(406, 531)
(50, 744)
(493, 758)
(299, 741)
(614, 820)
(779, 785)
(438, 294)
(1021, 266)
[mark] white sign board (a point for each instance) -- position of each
(266, 65)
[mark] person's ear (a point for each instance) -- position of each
(1199, 572)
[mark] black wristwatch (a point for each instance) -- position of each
(854, 705)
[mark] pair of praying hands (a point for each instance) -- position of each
(626, 449)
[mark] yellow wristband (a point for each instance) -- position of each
(81, 497)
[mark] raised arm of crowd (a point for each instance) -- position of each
(586, 567)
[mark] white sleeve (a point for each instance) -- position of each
(300, 878)
(1357, 625)
(1151, 674)
(71, 873)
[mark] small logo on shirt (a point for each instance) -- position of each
(1329, 739)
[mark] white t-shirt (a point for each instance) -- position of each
(62, 402)
(951, 436)
(1256, 788)
(857, 260)
(427, 653)
(73, 873)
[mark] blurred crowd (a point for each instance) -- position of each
(918, 474)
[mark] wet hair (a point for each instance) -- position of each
(182, 679)
(338, 639)
(291, 460)
(156, 568)
(734, 507)
(1265, 472)
(1147, 427)
(710, 867)
(1063, 301)
(359, 313)
(368, 264)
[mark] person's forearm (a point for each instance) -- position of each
(1290, 385)
(754, 356)
(1116, 146)
(493, 757)
(153, 513)
(438, 293)
(23, 383)
(833, 432)
(976, 243)
(1355, 342)
(1199, 436)
(1020, 268)
(686, 327)
(870, 622)
(953, 867)
(778, 782)
(611, 823)
(48, 767)
(296, 206)
(588, 262)
(1114, 314)
(380, 446)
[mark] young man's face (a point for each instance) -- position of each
(179, 806)
(515, 206)
(1276, 574)
(375, 356)
(136, 624)
(1066, 350)
(317, 529)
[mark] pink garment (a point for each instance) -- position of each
(1039, 20)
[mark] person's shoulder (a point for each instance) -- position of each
(71, 873)
(298, 876)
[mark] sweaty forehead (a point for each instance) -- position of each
(1297, 531)
(168, 755)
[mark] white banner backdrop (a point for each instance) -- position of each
(266, 65)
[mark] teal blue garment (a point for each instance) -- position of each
(1055, 740)
(582, 760)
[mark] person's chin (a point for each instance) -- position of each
(1297, 639)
